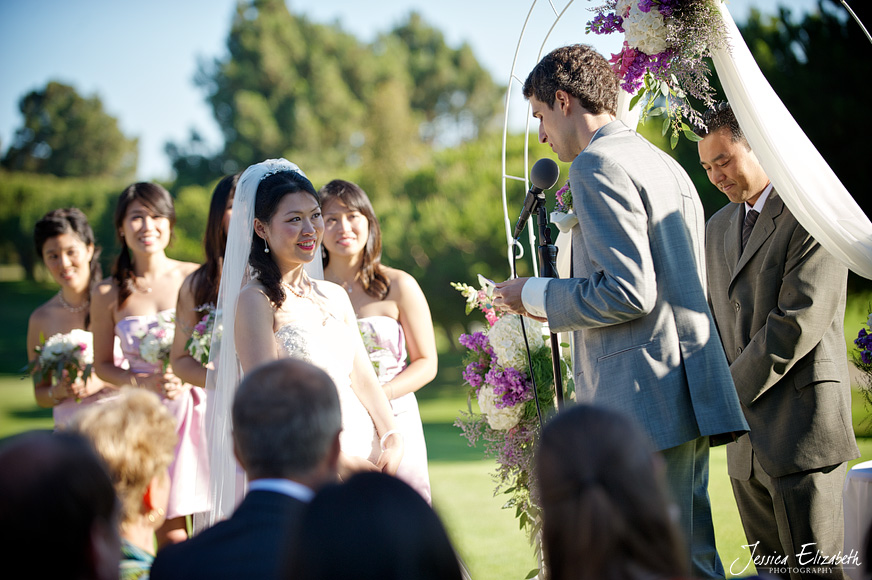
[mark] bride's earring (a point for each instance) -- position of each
(266, 247)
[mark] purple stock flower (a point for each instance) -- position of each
(607, 23)
(473, 374)
(510, 385)
(476, 342)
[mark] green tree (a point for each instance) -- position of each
(317, 95)
(67, 135)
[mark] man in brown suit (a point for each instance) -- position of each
(778, 299)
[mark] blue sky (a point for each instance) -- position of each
(140, 58)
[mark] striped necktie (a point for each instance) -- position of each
(750, 219)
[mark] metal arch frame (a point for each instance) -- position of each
(531, 238)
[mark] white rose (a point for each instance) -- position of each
(645, 30)
(508, 343)
(499, 419)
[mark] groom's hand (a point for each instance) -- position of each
(507, 297)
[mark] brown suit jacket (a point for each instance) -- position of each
(779, 308)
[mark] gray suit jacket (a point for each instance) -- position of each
(645, 343)
(780, 310)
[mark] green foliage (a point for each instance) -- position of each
(317, 95)
(67, 135)
(26, 197)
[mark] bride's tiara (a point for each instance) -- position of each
(273, 166)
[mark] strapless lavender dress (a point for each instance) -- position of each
(187, 496)
(386, 344)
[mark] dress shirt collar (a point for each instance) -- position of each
(285, 486)
(758, 205)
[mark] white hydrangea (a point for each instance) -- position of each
(77, 343)
(645, 30)
(508, 343)
(499, 419)
(623, 6)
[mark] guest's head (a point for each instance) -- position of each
(604, 502)
(351, 229)
(727, 158)
(373, 527)
(207, 277)
(58, 508)
(135, 435)
(578, 70)
(287, 228)
(286, 423)
(144, 220)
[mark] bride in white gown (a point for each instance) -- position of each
(270, 307)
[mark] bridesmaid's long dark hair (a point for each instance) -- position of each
(206, 278)
(270, 192)
(159, 202)
(69, 220)
(372, 277)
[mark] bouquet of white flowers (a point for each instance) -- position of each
(72, 352)
(200, 343)
(155, 344)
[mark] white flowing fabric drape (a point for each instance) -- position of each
(802, 178)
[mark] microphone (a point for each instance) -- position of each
(543, 176)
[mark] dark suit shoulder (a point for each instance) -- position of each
(253, 533)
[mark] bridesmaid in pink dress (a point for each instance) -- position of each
(65, 242)
(392, 314)
(199, 292)
(144, 288)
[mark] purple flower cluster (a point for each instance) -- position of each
(864, 343)
(631, 66)
(607, 23)
(510, 385)
(479, 357)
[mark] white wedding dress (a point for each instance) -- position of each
(331, 347)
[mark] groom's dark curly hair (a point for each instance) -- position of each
(579, 70)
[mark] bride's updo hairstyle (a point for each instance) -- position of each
(270, 192)
(373, 280)
(158, 201)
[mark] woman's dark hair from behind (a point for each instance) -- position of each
(69, 220)
(55, 485)
(374, 527)
(205, 279)
(270, 192)
(604, 503)
(159, 202)
(374, 281)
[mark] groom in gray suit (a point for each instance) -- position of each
(645, 343)
(778, 299)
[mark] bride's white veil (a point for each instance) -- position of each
(226, 481)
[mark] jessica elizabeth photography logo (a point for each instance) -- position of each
(809, 560)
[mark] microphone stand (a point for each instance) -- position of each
(548, 269)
